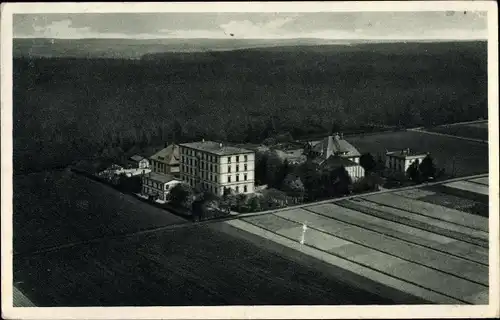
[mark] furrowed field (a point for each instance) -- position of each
(462, 157)
(56, 208)
(187, 265)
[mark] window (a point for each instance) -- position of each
(215, 179)
(246, 158)
(237, 189)
(245, 177)
(237, 158)
(245, 189)
(246, 167)
(229, 169)
(237, 168)
(228, 159)
(237, 177)
(229, 179)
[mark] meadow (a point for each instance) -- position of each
(455, 156)
(57, 208)
(474, 131)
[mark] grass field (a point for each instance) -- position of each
(457, 203)
(464, 157)
(473, 130)
(191, 265)
(188, 266)
(56, 208)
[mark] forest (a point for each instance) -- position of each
(68, 109)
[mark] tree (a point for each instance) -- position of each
(283, 170)
(254, 204)
(310, 177)
(427, 168)
(273, 169)
(342, 182)
(261, 168)
(293, 186)
(413, 171)
(181, 195)
(367, 162)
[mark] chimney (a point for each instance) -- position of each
(220, 145)
(203, 140)
(408, 150)
(341, 136)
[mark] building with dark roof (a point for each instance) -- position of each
(333, 146)
(215, 167)
(139, 162)
(166, 161)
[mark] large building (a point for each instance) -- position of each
(400, 161)
(166, 161)
(333, 146)
(215, 166)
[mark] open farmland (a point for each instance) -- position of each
(463, 157)
(428, 250)
(470, 130)
(180, 265)
(57, 208)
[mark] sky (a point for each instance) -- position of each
(436, 25)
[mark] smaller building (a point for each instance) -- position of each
(139, 162)
(158, 185)
(400, 161)
(166, 161)
(332, 146)
(355, 171)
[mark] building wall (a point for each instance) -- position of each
(215, 172)
(153, 187)
(401, 164)
(144, 164)
(163, 167)
(355, 172)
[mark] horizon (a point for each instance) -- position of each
(327, 26)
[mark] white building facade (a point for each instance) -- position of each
(400, 161)
(158, 185)
(214, 167)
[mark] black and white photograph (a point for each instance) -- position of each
(245, 159)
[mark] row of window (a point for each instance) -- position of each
(204, 156)
(153, 184)
(237, 158)
(237, 178)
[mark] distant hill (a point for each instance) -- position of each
(152, 48)
(136, 48)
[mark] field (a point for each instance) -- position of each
(472, 130)
(56, 208)
(178, 266)
(426, 249)
(463, 157)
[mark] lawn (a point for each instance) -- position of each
(464, 157)
(56, 208)
(194, 265)
(474, 130)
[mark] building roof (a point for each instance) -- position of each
(407, 153)
(333, 145)
(335, 162)
(217, 148)
(163, 178)
(136, 158)
(169, 155)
